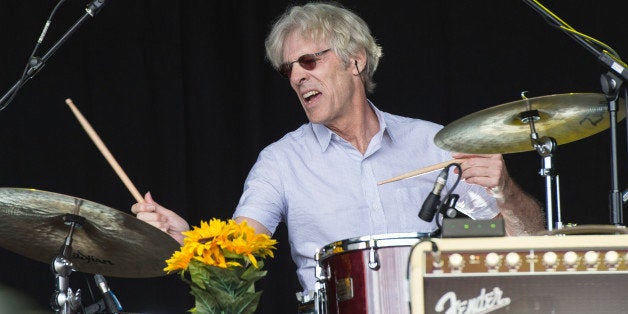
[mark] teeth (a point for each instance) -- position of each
(310, 94)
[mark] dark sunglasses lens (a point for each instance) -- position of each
(285, 69)
(308, 62)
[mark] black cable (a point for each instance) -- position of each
(434, 250)
(555, 21)
(439, 210)
(42, 36)
(88, 282)
(33, 62)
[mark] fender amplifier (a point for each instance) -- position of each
(532, 274)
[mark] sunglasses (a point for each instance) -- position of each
(307, 62)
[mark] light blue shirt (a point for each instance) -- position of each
(325, 190)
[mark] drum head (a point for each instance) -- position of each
(366, 242)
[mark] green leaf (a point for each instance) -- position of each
(246, 303)
(199, 273)
(223, 290)
(253, 274)
(249, 277)
(204, 302)
(226, 279)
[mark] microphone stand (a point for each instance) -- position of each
(611, 84)
(36, 64)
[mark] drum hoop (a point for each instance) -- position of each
(362, 242)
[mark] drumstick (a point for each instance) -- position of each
(103, 149)
(421, 171)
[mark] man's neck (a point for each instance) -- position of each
(360, 130)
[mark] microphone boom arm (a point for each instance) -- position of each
(610, 60)
(35, 66)
(611, 83)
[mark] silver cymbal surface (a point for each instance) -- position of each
(34, 224)
(500, 129)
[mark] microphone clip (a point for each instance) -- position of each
(449, 206)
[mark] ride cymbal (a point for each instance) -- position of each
(500, 129)
(34, 224)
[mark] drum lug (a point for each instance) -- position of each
(321, 274)
(320, 298)
(373, 256)
(320, 291)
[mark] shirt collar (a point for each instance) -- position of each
(324, 135)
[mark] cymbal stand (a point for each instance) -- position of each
(546, 147)
(611, 83)
(64, 300)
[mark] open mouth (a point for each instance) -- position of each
(311, 95)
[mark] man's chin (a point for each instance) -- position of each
(316, 120)
(313, 118)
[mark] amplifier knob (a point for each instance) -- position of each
(591, 259)
(570, 260)
(513, 261)
(611, 259)
(492, 261)
(456, 261)
(550, 260)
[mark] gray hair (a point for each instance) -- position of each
(343, 30)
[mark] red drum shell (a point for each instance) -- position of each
(351, 286)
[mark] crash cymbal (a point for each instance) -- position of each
(108, 241)
(500, 130)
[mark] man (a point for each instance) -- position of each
(321, 179)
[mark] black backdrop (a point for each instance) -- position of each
(182, 95)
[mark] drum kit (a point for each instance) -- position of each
(359, 275)
(369, 274)
(354, 275)
(73, 234)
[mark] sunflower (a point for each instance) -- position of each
(222, 244)
(221, 261)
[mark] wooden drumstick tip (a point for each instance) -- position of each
(421, 171)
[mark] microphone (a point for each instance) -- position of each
(432, 202)
(111, 302)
